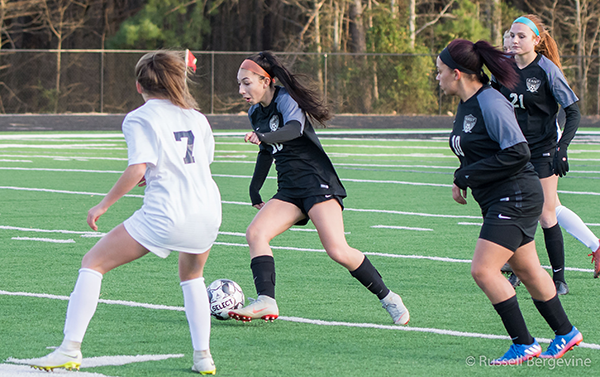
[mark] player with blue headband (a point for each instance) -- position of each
(541, 92)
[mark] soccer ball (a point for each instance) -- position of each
(224, 295)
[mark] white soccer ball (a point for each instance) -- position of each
(224, 295)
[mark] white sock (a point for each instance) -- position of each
(197, 311)
(82, 304)
(573, 224)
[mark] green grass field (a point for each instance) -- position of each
(399, 210)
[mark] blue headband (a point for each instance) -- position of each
(528, 22)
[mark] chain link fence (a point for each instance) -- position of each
(102, 81)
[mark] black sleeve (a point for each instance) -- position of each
(502, 165)
(290, 131)
(261, 170)
(572, 116)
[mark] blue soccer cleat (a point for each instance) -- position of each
(562, 343)
(518, 353)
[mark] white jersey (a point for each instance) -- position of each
(182, 204)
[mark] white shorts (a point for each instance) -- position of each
(161, 240)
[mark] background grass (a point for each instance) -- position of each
(439, 295)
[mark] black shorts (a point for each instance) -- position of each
(544, 165)
(305, 204)
(512, 235)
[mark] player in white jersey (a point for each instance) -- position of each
(170, 147)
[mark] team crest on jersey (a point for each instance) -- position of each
(533, 84)
(274, 123)
(469, 123)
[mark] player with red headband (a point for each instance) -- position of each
(308, 186)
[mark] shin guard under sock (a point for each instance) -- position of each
(513, 321)
(263, 270)
(553, 312)
(556, 251)
(370, 278)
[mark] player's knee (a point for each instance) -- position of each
(256, 235)
(480, 274)
(339, 253)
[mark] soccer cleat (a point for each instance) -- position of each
(394, 305)
(58, 359)
(203, 363)
(562, 343)
(506, 269)
(514, 280)
(596, 260)
(518, 353)
(264, 307)
(561, 287)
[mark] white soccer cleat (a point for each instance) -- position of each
(58, 359)
(203, 363)
(263, 307)
(394, 305)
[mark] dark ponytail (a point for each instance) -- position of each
(307, 99)
(473, 56)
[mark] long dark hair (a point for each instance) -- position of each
(307, 99)
(474, 55)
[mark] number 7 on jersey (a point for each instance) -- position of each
(189, 157)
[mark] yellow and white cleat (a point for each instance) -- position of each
(264, 307)
(203, 363)
(58, 359)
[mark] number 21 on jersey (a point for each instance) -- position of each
(514, 98)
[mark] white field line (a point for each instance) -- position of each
(239, 234)
(65, 158)
(42, 239)
(63, 191)
(7, 227)
(480, 224)
(64, 146)
(388, 255)
(61, 136)
(245, 203)
(445, 148)
(353, 180)
(401, 227)
(10, 370)
(65, 170)
(102, 361)
(304, 320)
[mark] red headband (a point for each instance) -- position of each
(252, 66)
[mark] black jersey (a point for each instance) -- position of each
(303, 167)
(493, 154)
(536, 99)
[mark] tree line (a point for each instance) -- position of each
(417, 27)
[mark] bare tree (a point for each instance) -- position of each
(63, 18)
(496, 23)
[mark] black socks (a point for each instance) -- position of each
(556, 251)
(555, 315)
(370, 278)
(263, 270)
(513, 321)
